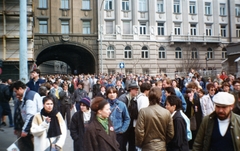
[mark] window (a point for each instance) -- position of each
(178, 53)
(109, 27)
(64, 4)
(237, 10)
(160, 6)
(85, 4)
(238, 31)
(145, 71)
(192, 7)
(110, 52)
(144, 52)
(43, 26)
(126, 27)
(111, 71)
(176, 6)
(142, 5)
(42, 3)
(222, 9)
(65, 26)
(128, 71)
(142, 29)
(224, 53)
(194, 53)
(223, 30)
(108, 4)
(125, 4)
(162, 70)
(161, 53)
(193, 29)
(209, 53)
(208, 30)
(86, 27)
(160, 28)
(177, 29)
(207, 8)
(127, 52)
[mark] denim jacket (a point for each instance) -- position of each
(119, 116)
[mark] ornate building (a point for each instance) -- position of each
(154, 36)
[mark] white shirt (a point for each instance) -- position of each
(223, 126)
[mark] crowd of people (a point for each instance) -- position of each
(124, 112)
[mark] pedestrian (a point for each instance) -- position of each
(179, 141)
(102, 92)
(78, 94)
(119, 116)
(96, 88)
(65, 104)
(29, 103)
(48, 128)
(35, 81)
(79, 123)
(55, 90)
(220, 130)
(100, 134)
(154, 128)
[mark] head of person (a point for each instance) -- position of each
(201, 93)
(226, 87)
(43, 91)
(174, 83)
(98, 82)
(65, 87)
(173, 103)
(154, 95)
(224, 103)
(236, 85)
(80, 85)
(159, 84)
(119, 83)
(48, 104)
(216, 84)
(55, 84)
(102, 89)
(19, 89)
(189, 93)
(111, 93)
(101, 107)
(193, 86)
(211, 89)
(133, 89)
(85, 104)
(145, 87)
(35, 74)
(167, 83)
(169, 91)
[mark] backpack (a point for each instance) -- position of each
(133, 107)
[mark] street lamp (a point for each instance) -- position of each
(101, 36)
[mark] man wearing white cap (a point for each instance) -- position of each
(219, 131)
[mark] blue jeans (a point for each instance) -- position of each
(77, 104)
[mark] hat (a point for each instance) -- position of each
(86, 101)
(133, 86)
(36, 70)
(223, 99)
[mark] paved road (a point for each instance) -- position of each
(7, 137)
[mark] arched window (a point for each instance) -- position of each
(194, 53)
(127, 52)
(224, 53)
(144, 52)
(161, 53)
(209, 53)
(178, 53)
(110, 52)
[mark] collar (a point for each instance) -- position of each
(173, 113)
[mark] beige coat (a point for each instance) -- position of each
(154, 128)
(39, 130)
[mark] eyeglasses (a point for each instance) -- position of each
(212, 90)
(237, 85)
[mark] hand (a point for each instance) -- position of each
(24, 134)
(48, 119)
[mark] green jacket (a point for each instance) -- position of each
(203, 138)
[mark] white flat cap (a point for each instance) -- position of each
(223, 98)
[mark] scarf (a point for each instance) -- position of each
(104, 123)
(54, 128)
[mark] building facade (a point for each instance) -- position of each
(156, 36)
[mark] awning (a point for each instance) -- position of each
(238, 59)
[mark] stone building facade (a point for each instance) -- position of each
(156, 36)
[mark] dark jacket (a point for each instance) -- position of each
(65, 98)
(35, 86)
(79, 94)
(77, 129)
(120, 91)
(203, 139)
(179, 141)
(96, 138)
(96, 90)
(5, 94)
(102, 95)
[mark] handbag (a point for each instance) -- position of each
(193, 123)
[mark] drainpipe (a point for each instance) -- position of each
(4, 31)
(229, 22)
